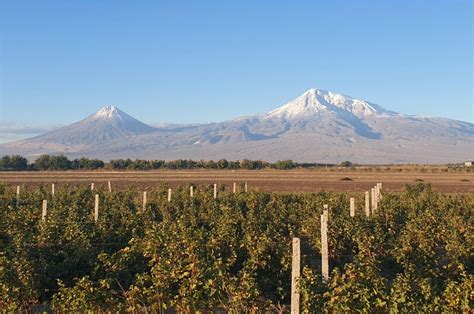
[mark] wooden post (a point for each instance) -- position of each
(169, 195)
(191, 191)
(234, 189)
(96, 208)
(215, 191)
(110, 186)
(92, 186)
(295, 275)
(246, 187)
(52, 189)
(144, 201)
(352, 206)
(45, 210)
(324, 246)
(367, 204)
(17, 196)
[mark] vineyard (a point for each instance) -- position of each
(220, 251)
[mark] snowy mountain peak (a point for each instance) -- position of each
(108, 112)
(317, 102)
(112, 118)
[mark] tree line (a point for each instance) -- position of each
(47, 162)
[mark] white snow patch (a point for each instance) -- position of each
(108, 112)
(318, 101)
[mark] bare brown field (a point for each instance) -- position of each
(267, 180)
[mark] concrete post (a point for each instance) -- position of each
(352, 206)
(295, 275)
(367, 204)
(324, 246)
(17, 196)
(96, 208)
(45, 210)
(144, 201)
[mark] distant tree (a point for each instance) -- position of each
(192, 164)
(46, 162)
(59, 163)
(222, 164)
(201, 164)
(96, 164)
(246, 164)
(211, 164)
(157, 164)
(256, 164)
(234, 165)
(120, 164)
(284, 164)
(177, 164)
(86, 163)
(15, 162)
(42, 162)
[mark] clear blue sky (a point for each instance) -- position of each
(202, 61)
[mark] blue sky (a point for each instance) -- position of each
(202, 61)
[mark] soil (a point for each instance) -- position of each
(343, 180)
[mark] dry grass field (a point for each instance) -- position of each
(301, 180)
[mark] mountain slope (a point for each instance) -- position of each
(318, 126)
(106, 125)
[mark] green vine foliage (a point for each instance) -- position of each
(233, 253)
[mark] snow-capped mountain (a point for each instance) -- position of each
(106, 125)
(318, 126)
(320, 102)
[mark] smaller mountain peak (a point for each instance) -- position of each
(108, 112)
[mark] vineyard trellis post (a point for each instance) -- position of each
(110, 186)
(92, 186)
(191, 191)
(352, 206)
(379, 195)
(96, 208)
(169, 195)
(295, 275)
(376, 196)
(144, 201)
(215, 191)
(17, 196)
(234, 188)
(45, 210)
(367, 204)
(246, 187)
(372, 199)
(324, 244)
(52, 189)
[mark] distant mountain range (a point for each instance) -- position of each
(318, 126)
